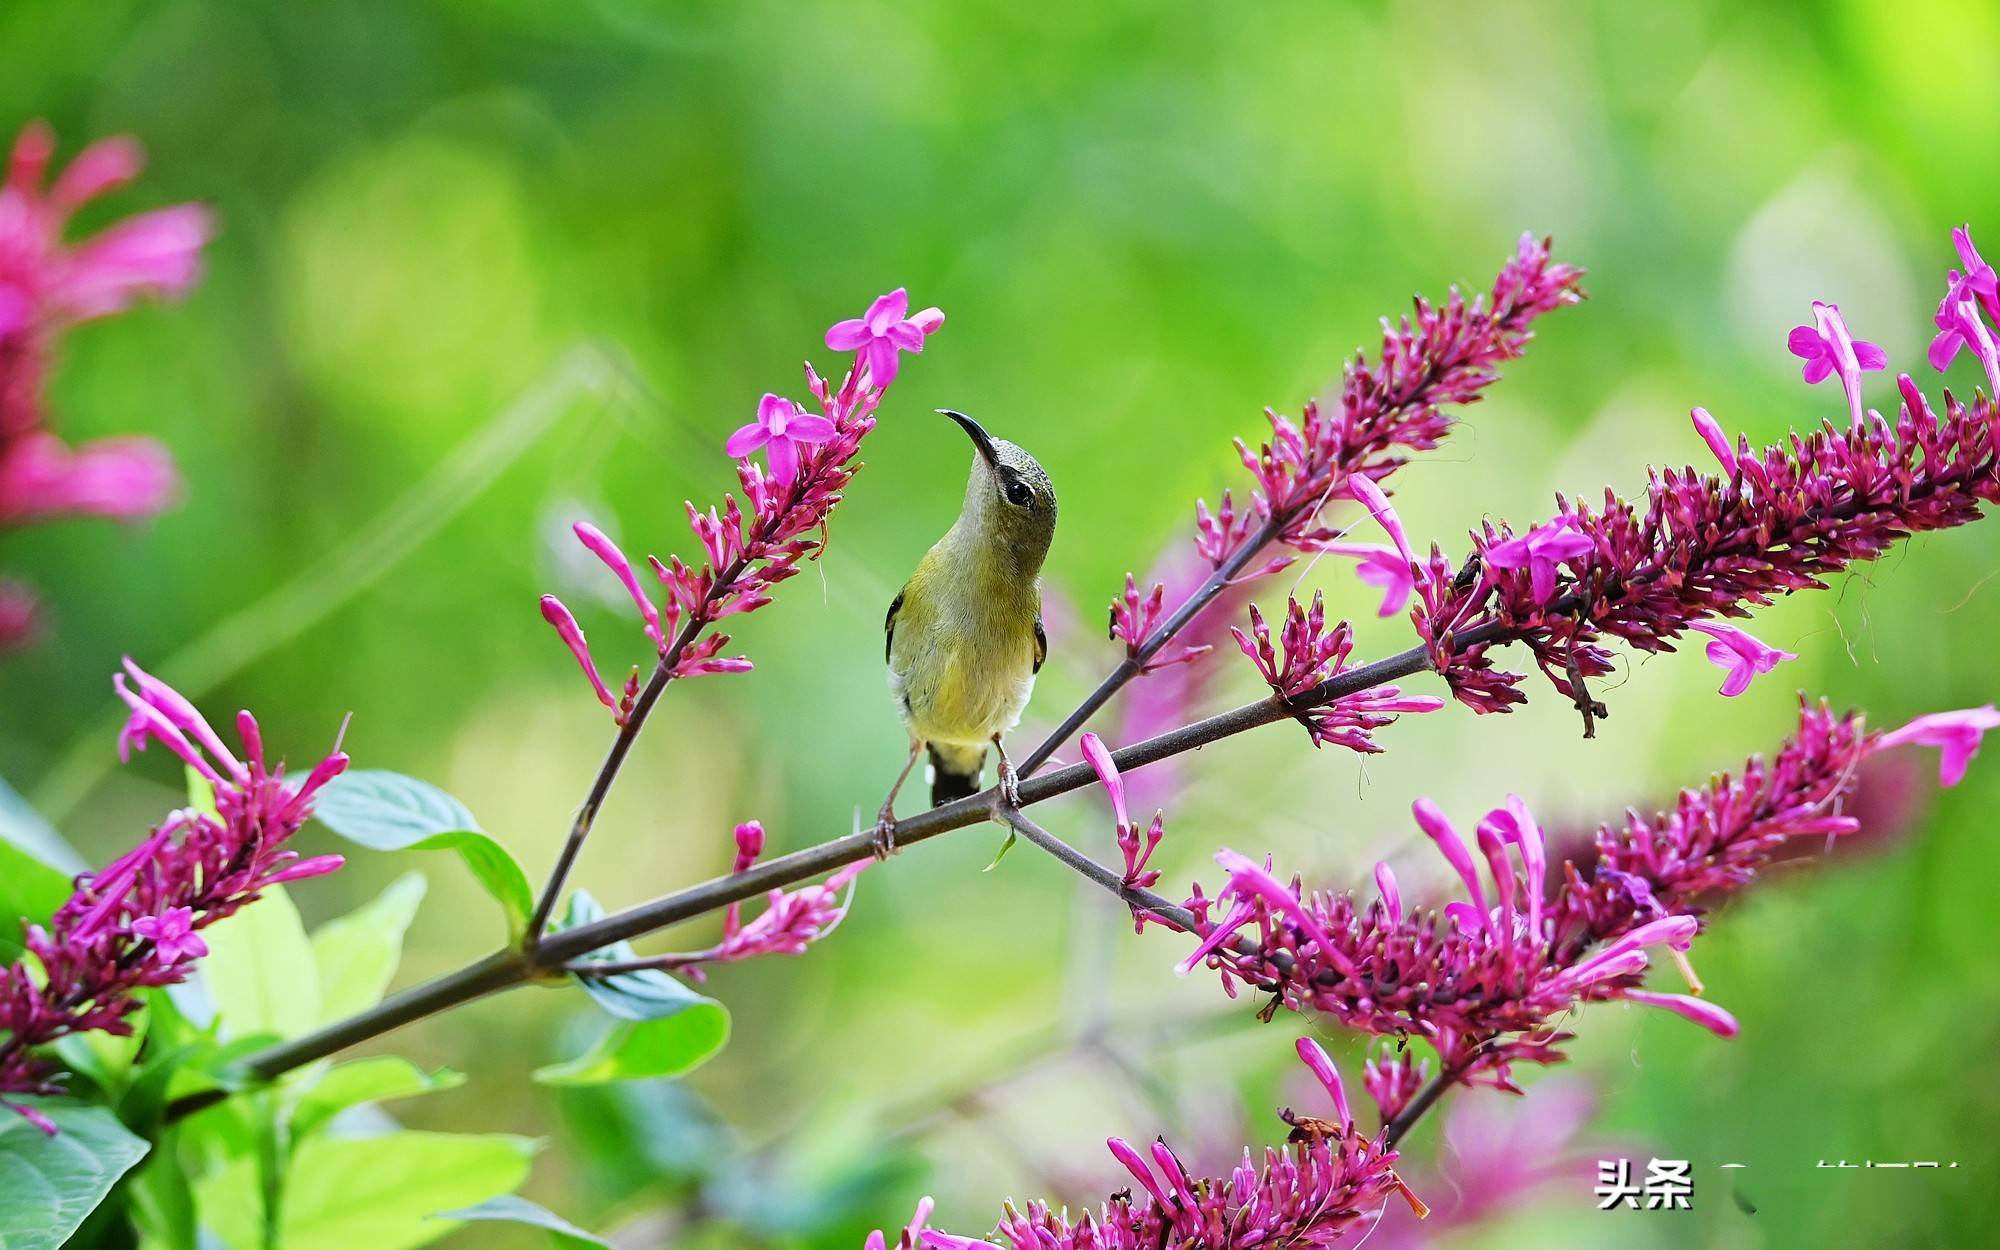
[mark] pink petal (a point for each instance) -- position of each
(846, 336)
(1869, 356)
(104, 165)
(906, 336)
(1706, 1014)
(1711, 433)
(1817, 369)
(156, 253)
(881, 356)
(1392, 898)
(746, 440)
(1806, 343)
(1740, 671)
(928, 320)
(783, 454)
(886, 311)
(808, 427)
(1106, 768)
(772, 409)
(1944, 348)
(1329, 1077)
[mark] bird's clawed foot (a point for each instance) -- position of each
(1010, 781)
(885, 835)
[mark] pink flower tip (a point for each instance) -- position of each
(1700, 1011)
(1718, 444)
(1106, 768)
(1955, 734)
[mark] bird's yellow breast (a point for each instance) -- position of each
(962, 650)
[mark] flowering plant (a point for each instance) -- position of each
(1488, 983)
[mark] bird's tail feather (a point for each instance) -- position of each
(955, 772)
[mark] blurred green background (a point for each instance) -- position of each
(485, 268)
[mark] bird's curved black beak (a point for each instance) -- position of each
(977, 433)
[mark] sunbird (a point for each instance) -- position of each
(965, 635)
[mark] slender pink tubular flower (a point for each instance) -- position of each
(1961, 325)
(1137, 849)
(601, 546)
(137, 923)
(1488, 989)
(1739, 654)
(883, 333)
(1955, 734)
(782, 429)
(1718, 443)
(571, 633)
(1328, 1181)
(1828, 349)
(791, 921)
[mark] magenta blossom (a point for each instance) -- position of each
(1979, 276)
(172, 935)
(883, 333)
(781, 429)
(1136, 848)
(119, 478)
(1741, 654)
(1960, 325)
(1539, 551)
(1392, 569)
(1827, 348)
(1955, 734)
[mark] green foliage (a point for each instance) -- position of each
(664, 1029)
(379, 1078)
(260, 972)
(513, 1209)
(387, 811)
(48, 1185)
(381, 1193)
(356, 955)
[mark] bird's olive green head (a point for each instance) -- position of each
(1009, 501)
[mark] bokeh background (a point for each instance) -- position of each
(487, 267)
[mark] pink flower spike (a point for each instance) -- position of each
(1107, 772)
(781, 429)
(1539, 551)
(1704, 1013)
(882, 333)
(1392, 898)
(1322, 1067)
(1828, 349)
(1384, 568)
(1742, 655)
(1432, 820)
(604, 549)
(172, 935)
(1955, 734)
(571, 633)
(121, 479)
(1711, 433)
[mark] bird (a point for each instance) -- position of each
(964, 635)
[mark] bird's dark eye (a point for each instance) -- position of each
(1018, 493)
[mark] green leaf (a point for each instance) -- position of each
(23, 828)
(357, 954)
(30, 890)
(374, 1192)
(513, 1209)
(387, 811)
(201, 793)
(376, 1079)
(260, 973)
(49, 1184)
(667, 1029)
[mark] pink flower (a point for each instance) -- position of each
(1107, 772)
(172, 935)
(1740, 653)
(571, 633)
(1979, 276)
(781, 428)
(1711, 433)
(1827, 348)
(1539, 551)
(1955, 734)
(882, 333)
(1384, 568)
(119, 478)
(1960, 326)
(47, 284)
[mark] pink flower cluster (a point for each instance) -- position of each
(810, 458)
(1313, 654)
(47, 285)
(1486, 980)
(1326, 1182)
(137, 923)
(1444, 355)
(1698, 545)
(791, 920)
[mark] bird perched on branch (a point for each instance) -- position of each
(965, 633)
